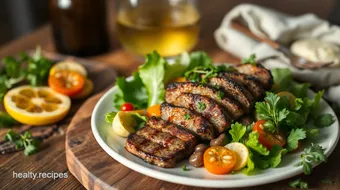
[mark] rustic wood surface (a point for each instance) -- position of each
(53, 156)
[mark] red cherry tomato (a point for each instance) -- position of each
(268, 139)
(127, 107)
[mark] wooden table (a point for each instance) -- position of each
(53, 158)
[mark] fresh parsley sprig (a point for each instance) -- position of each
(34, 69)
(299, 183)
(311, 156)
(250, 60)
(30, 144)
(270, 111)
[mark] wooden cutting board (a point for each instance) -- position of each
(95, 169)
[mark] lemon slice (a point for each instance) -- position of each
(123, 124)
(36, 105)
(241, 153)
(69, 66)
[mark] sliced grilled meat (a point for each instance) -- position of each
(189, 120)
(207, 107)
(234, 89)
(259, 72)
(174, 90)
(161, 143)
(175, 131)
(152, 152)
(252, 84)
(246, 120)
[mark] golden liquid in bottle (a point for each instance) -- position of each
(168, 30)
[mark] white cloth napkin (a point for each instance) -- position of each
(284, 29)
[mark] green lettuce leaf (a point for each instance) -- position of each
(152, 74)
(324, 120)
(282, 79)
(250, 168)
(132, 91)
(177, 68)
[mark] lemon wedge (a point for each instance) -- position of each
(36, 105)
(69, 66)
(241, 152)
(123, 124)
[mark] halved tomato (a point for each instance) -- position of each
(268, 139)
(66, 82)
(219, 160)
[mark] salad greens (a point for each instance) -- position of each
(311, 156)
(147, 86)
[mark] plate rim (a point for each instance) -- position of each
(212, 183)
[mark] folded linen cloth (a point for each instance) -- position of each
(284, 29)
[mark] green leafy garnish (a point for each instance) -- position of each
(132, 91)
(6, 120)
(33, 69)
(311, 156)
(294, 137)
(140, 120)
(186, 116)
(184, 168)
(110, 116)
(25, 141)
(324, 120)
(270, 111)
(237, 131)
(253, 143)
(250, 168)
(220, 95)
(299, 183)
(250, 60)
(201, 106)
(273, 159)
(152, 74)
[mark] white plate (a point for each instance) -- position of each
(114, 146)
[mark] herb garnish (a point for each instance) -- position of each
(299, 183)
(220, 95)
(201, 106)
(6, 120)
(311, 156)
(16, 71)
(25, 141)
(186, 116)
(250, 60)
(184, 168)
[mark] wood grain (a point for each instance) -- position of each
(125, 63)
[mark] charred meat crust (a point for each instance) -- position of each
(175, 131)
(189, 120)
(234, 89)
(161, 143)
(251, 83)
(174, 90)
(259, 72)
(209, 109)
(151, 152)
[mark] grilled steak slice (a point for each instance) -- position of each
(246, 120)
(259, 72)
(174, 90)
(207, 107)
(189, 120)
(161, 143)
(252, 84)
(235, 90)
(176, 132)
(152, 152)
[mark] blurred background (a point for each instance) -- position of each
(20, 17)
